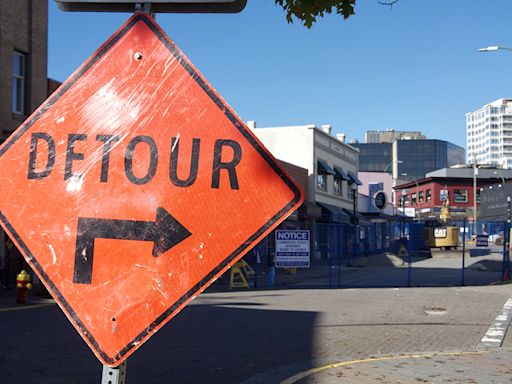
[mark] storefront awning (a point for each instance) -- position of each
(323, 167)
(333, 213)
(341, 173)
(309, 211)
(354, 178)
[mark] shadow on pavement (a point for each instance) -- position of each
(204, 344)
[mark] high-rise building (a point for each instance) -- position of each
(409, 159)
(390, 135)
(23, 60)
(489, 134)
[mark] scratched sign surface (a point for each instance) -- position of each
(133, 187)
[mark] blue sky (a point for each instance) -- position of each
(414, 67)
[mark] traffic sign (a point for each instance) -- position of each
(134, 187)
(159, 6)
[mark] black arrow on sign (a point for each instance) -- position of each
(165, 233)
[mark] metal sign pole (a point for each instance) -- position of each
(114, 375)
(463, 251)
(146, 8)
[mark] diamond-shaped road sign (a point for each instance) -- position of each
(134, 187)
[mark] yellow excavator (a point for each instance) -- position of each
(442, 236)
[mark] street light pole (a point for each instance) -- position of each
(506, 245)
(393, 162)
(508, 210)
(500, 175)
(475, 173)
(417, 199)
(354, 202)
(393, 194)
(417, 211)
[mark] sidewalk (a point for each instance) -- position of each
(8, 299)
(483, 367)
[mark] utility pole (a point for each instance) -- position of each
(475, 173)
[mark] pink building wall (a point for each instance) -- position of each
(376, 177)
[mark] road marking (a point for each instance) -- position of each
(23, 307)
(301, 375)
(496, 332)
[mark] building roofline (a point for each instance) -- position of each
(313, 127)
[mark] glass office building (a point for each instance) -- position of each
(412, 158)
(418, 157)
(374, 157)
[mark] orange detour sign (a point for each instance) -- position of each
(134, 187)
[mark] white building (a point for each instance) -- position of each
(331, 163)
(489, 134)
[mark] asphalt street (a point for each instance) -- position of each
(280, 336)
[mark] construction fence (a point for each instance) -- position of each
(387, 253)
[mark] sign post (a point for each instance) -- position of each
(125, 191)
(114, 375)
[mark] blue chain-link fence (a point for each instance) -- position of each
(390, 253)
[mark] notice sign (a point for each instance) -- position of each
(292, 249)
(482, 240)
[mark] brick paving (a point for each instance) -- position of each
(484, 368)
(268, 336)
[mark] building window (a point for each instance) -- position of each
(321, 182)
(322, 170)
(460, 196)
(351, 192)
(338, 186)
(18, 83)
(413, 198)
(420, 197)
(429, 195)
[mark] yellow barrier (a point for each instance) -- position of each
(237, 278)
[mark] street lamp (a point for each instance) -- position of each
(354, 192)
(494, 48)
(500, 175)
(393, 162)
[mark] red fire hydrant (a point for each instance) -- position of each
(23, 284)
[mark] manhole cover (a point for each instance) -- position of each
(433, 310)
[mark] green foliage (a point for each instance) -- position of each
(308, 10)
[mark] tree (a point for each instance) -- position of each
(308, 10)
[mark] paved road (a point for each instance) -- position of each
(262, 337)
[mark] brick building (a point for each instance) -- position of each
(423, 198)
(23, 60)
(23, 79)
